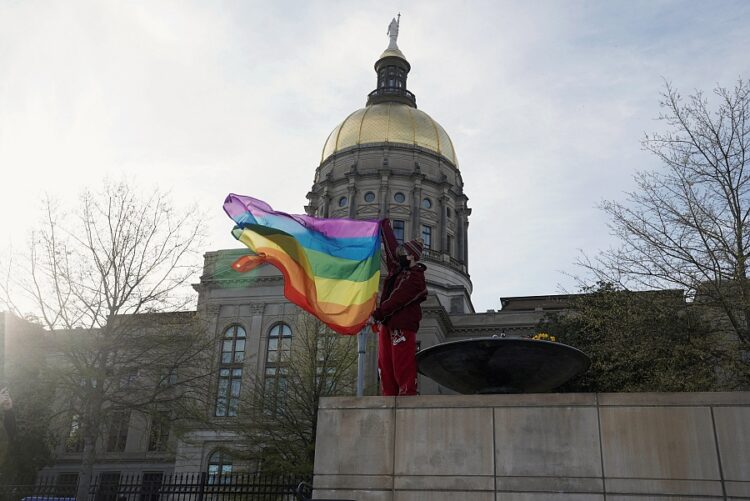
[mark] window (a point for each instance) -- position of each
(109, 485)
(369, 196)
(228, 395)
(426, 203)
(129, 378)
(66, 485)
(391, 77)
(398, 230)
(151, 485)
(427, 236)
(230, 371)
(343, 201)
(279, 343)
(279, 348)
(447, 212)
(449, 250)
(168, 376)
(399, 197)
(117, 435)
(219, 464)
(233, 345)
(159, 432)
(74, 440)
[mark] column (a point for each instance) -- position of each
(443, 223)
(384, 193)
(416, 209)
(352, 195)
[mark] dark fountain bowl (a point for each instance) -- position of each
(501, 365)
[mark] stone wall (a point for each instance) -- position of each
(634, 447)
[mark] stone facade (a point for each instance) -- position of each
(635, 446)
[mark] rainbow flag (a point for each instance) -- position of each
(331, 267)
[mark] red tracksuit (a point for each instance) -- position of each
(400, 311)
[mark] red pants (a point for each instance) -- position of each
(397, 363)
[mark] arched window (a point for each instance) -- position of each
(230, 371)
(233, 345)
(391, 82)
(279, 347)
(219, 463)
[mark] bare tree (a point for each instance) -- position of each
(687, 226)
(278, 413)
(110, 282)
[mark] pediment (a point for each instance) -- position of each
(399, 210)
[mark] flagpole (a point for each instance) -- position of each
(362, 348)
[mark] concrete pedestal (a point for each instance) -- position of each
(634, 447)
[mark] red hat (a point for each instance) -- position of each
(414, 248)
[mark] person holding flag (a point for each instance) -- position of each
(331, 269)
(399, 313)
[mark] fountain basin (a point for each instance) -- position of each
(501, 365)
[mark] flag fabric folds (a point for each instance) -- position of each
(331, 267)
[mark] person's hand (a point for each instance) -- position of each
(377, 315)
(5, 401)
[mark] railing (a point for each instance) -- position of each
(439, 257)
(157, 486)
(392, 91)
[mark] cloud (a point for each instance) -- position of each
(545, 103)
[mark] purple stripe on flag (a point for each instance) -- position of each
(237, 205)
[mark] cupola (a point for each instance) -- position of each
(392, 69)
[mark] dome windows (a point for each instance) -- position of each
(427, 236)
(399, 197)
(426, 203)
(399, 230)
(369, 197)
(343, 202)
(391, 77)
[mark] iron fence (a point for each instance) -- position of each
(157, 486)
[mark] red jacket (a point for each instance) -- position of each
(404, 289)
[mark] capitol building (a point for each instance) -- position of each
(386, 159)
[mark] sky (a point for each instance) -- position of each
(546, 103)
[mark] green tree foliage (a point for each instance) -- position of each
(31, 448)
(645, 341)
(23, 374)
(687, 224)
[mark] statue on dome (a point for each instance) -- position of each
(393, 31)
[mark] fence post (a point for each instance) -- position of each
(202, 486)
(92, 487)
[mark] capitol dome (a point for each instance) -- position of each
(392, 160)
(390, 122)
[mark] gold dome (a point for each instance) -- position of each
(390, 123)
